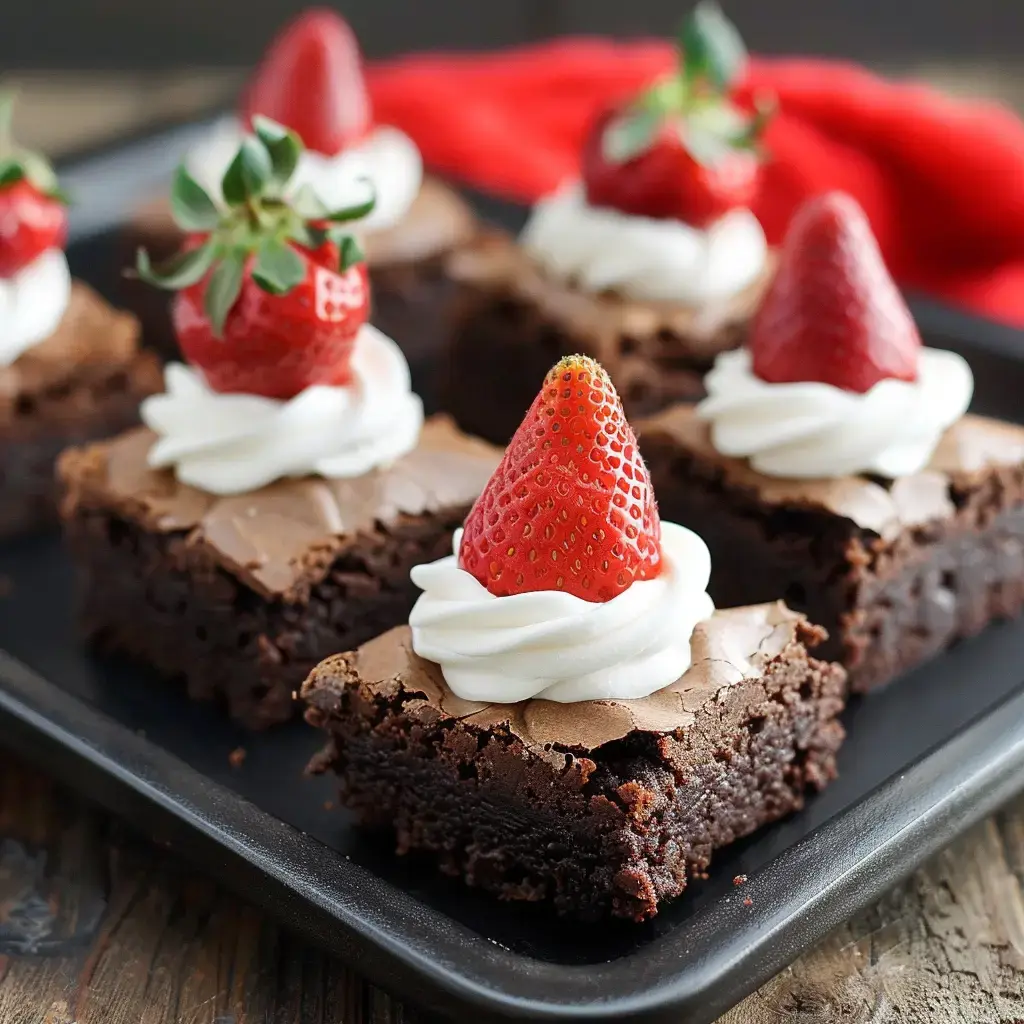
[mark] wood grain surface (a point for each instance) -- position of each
(99, 927)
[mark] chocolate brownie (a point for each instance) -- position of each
(894, 570)
(510, 321)
(604, 808)
(243, 595)
(408, 271)
(82, 383)
(409, 280)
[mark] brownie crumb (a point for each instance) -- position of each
(739, 879)
(328, 805)
(6, 586)
(236, 757)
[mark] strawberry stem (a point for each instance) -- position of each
(712, 58)
(258, 229)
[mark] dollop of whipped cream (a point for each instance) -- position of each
(387, 158)
(643, 258)
(814, 430)
(233, 443)
(33, 303)
(556, 646)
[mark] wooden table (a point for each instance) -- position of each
(99, 927)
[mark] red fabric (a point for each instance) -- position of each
(942, 180)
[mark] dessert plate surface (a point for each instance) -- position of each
(925, 758)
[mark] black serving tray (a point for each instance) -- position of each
(925, 758)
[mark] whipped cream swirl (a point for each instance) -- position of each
(233, 443)
(814, 430)
(32, 304)
(387, 158)
(556, 646)
(643, 258)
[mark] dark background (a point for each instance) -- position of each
(156, 34)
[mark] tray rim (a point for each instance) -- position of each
(423, 955)
(344, 908)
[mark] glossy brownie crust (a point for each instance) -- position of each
(896, 572)
(242, 596)
(83, 383)
(604, 808)
(408, 273)
(511, 323)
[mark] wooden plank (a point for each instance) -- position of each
(172, 948)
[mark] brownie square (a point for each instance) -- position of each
(243, 595)
(895, 571)
(408, 262)
(83, 382)
(603, 808)
(511, 321)
(409, 280)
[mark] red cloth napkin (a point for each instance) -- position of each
(942, 180)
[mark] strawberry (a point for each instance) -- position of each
(832, 313)
(278, 345)
(272, 292)
(570, 507)
(33, 217)
(666, 181)
(311, 80)
(680, 150)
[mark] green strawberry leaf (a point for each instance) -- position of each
(223, 289)
(350, 252)
(713, 50)
(284, 147)
(11, 172)
(192, 208)
(707, 147)
(278, 268)
(765, 108)
(38, 171)
(629, 136)
(357, 211)
(307, 235)
(668, 95)
(307, 204)
(248, 173)
(181, 271)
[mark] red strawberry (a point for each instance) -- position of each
(680, 150)
(311, 80)
(832, 313)
(278, 345)
(30, 223)
(32, 210)
(271, 297)
(666, 181)
(571, 506)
